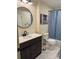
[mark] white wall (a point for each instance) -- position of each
(44, 10)
(35, 9)
(32, 8)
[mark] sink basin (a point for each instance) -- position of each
(25, 37)
(28, 37)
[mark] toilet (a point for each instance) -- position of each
(51, 43)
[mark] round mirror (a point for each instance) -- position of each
(24, 17)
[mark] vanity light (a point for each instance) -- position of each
(30, 2)
(27, 1)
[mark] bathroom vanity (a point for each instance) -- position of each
(30, 46)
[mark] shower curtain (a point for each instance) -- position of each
(54, 24)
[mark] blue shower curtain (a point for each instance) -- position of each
(54, 24)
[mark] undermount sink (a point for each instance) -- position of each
(28, 37)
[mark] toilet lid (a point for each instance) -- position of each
(53, 41)
(50, 39)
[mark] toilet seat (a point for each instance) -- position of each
(54, 42)
(51, 41)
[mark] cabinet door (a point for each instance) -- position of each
(25, 53)
(36, 49)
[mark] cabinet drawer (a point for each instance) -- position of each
(30, 42)
(25, 44)
(35, 40)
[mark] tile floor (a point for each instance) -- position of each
(49, 54)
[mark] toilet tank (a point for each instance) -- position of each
(45, 36)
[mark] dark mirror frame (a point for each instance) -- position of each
(31, 18)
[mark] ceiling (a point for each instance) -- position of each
(56, 4)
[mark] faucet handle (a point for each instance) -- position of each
(25, 32)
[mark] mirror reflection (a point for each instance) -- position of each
(24, 17)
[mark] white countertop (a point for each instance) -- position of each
(28, 37)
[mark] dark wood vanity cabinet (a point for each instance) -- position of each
(31, 49)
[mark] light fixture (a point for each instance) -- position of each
(30, 2)
(27, 1)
